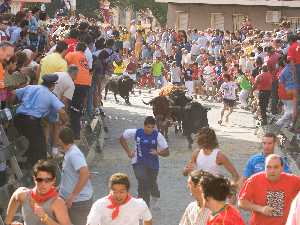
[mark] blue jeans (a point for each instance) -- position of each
(297, 122)
(158, 81)
(147, 182)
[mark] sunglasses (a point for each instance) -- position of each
(46, 180)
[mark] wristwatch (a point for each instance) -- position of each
(44, 218)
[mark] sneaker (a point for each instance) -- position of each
(154, 203)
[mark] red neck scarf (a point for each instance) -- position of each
(42, 198)
(115, 206)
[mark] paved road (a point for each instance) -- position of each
(237, 140)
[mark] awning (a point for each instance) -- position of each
(278, 3)
(39, 1)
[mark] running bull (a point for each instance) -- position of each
(193, 116)
(161, 107)
(122, 86)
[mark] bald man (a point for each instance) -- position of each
(268, 194)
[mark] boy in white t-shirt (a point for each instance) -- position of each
(228, 92)
(119, 207)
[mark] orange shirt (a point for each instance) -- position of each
(2, 72)
(79, 59)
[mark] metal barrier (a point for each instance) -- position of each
(8, 158)
(1, 221)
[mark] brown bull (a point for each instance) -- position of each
(162, 112)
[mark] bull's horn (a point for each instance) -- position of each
(146, 102)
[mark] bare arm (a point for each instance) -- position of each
(38, 74)
(63, 116)
(14, 203)
(255, 84)
(148, 222)
(83, 179)
(223, 160)
(249, 206)
(125, 146)
(191, 164)
(164, 152)
(66, 102)
(61, 212)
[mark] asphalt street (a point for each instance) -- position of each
(237, 140)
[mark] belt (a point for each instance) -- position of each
(28, 117)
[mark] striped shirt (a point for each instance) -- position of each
(194, 215)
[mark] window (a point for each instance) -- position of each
(217, 21)
(183, 21)
(295, 22)
(273, 16)
(238, 20)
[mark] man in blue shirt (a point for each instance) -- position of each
(75, 185)
(257, 162)
(150, 144)
(36, 103)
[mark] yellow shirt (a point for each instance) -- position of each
(249, 49)
(125, 37)
(52, 63)
(119, 69)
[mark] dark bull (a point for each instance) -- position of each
(122, 86)
(192, 116)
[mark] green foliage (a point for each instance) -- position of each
(88, 7)
(159, 10)
(91, 7)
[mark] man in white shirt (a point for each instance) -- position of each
(228, 91)
(150, 145)
(64, 90)
(119, 207)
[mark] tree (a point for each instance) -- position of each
(159, 10)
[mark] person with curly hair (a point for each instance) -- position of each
(208, 156)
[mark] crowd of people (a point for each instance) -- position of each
(56, 70)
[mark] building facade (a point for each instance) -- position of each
(229, 14)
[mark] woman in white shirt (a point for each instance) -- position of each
(208, 157)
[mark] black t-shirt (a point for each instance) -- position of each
(188, 75)
(256, 71)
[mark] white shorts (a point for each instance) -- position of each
(115, 76)
(132, 76)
